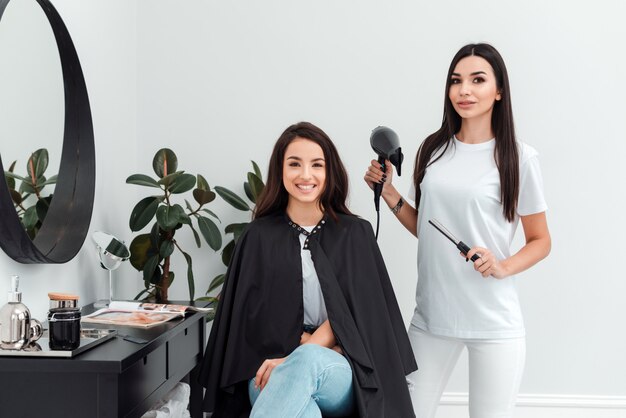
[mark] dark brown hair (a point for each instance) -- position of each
(506, 153)
(274, 197)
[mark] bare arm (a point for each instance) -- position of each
(407, 214)
(323, 336)
(538, 244)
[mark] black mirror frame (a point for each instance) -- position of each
(63, 232)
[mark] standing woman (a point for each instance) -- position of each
(307, 324)
(474, 177)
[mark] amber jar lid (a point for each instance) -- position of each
(62, 296)
(62, 300)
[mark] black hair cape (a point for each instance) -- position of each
(260, 315)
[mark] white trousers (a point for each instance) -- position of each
(495, 372)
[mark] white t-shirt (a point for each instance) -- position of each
(462, 191)
(313, 299)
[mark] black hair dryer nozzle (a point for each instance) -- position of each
(385, 143)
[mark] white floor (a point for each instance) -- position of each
(454, 405)
(457, 411)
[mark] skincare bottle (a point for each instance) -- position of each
(17, 328)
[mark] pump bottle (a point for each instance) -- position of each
(17, 328)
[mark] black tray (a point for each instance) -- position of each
(89, 338)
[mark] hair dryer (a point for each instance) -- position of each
(385, 143)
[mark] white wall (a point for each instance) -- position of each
(219, 81)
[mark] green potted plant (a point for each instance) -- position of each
(150, 252)
(252, 189)
(30, 202)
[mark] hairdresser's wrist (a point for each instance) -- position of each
(503, 269)
(390, 195)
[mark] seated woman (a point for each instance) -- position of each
(307, 324)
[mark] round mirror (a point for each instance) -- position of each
(111, 253)
(62, 233)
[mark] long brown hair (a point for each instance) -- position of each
(274, 197)
(506, 153)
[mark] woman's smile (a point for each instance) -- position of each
(306, 188)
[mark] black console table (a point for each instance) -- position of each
(117, 378)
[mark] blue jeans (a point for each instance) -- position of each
(312, 381)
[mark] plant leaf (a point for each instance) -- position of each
(227, 252)
(167, 248)
(190, 281)
(182, 183)
(140, 294)
(256, 185)
(236, 230)
(51, 180)
(167, 217)
(40, 183)
(169, 179)
(256, 169)
(195, 235)
(155, 235)
(42, 206)
(183, 218)
(11, 175)
(170, 278)
(188, 205)
(16, 196)
(208, 298)
(139, 250)
(248, 191)
(142, 180)
(30, 218)
(150, 267)
(27, 186)
(210, 232)
(8, 176)
(211, 213)
(232, 199)
(143, 212)
(37, 163)
(203, 184)
(216, 282)
(157, 276)
(203, 196)
(164, 162)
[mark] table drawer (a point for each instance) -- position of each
(142, 378)
(185, 350)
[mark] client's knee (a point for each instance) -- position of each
(311, 352)
(315, 357)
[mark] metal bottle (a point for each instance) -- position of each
(17, 328)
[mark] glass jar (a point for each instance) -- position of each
(63, 322)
